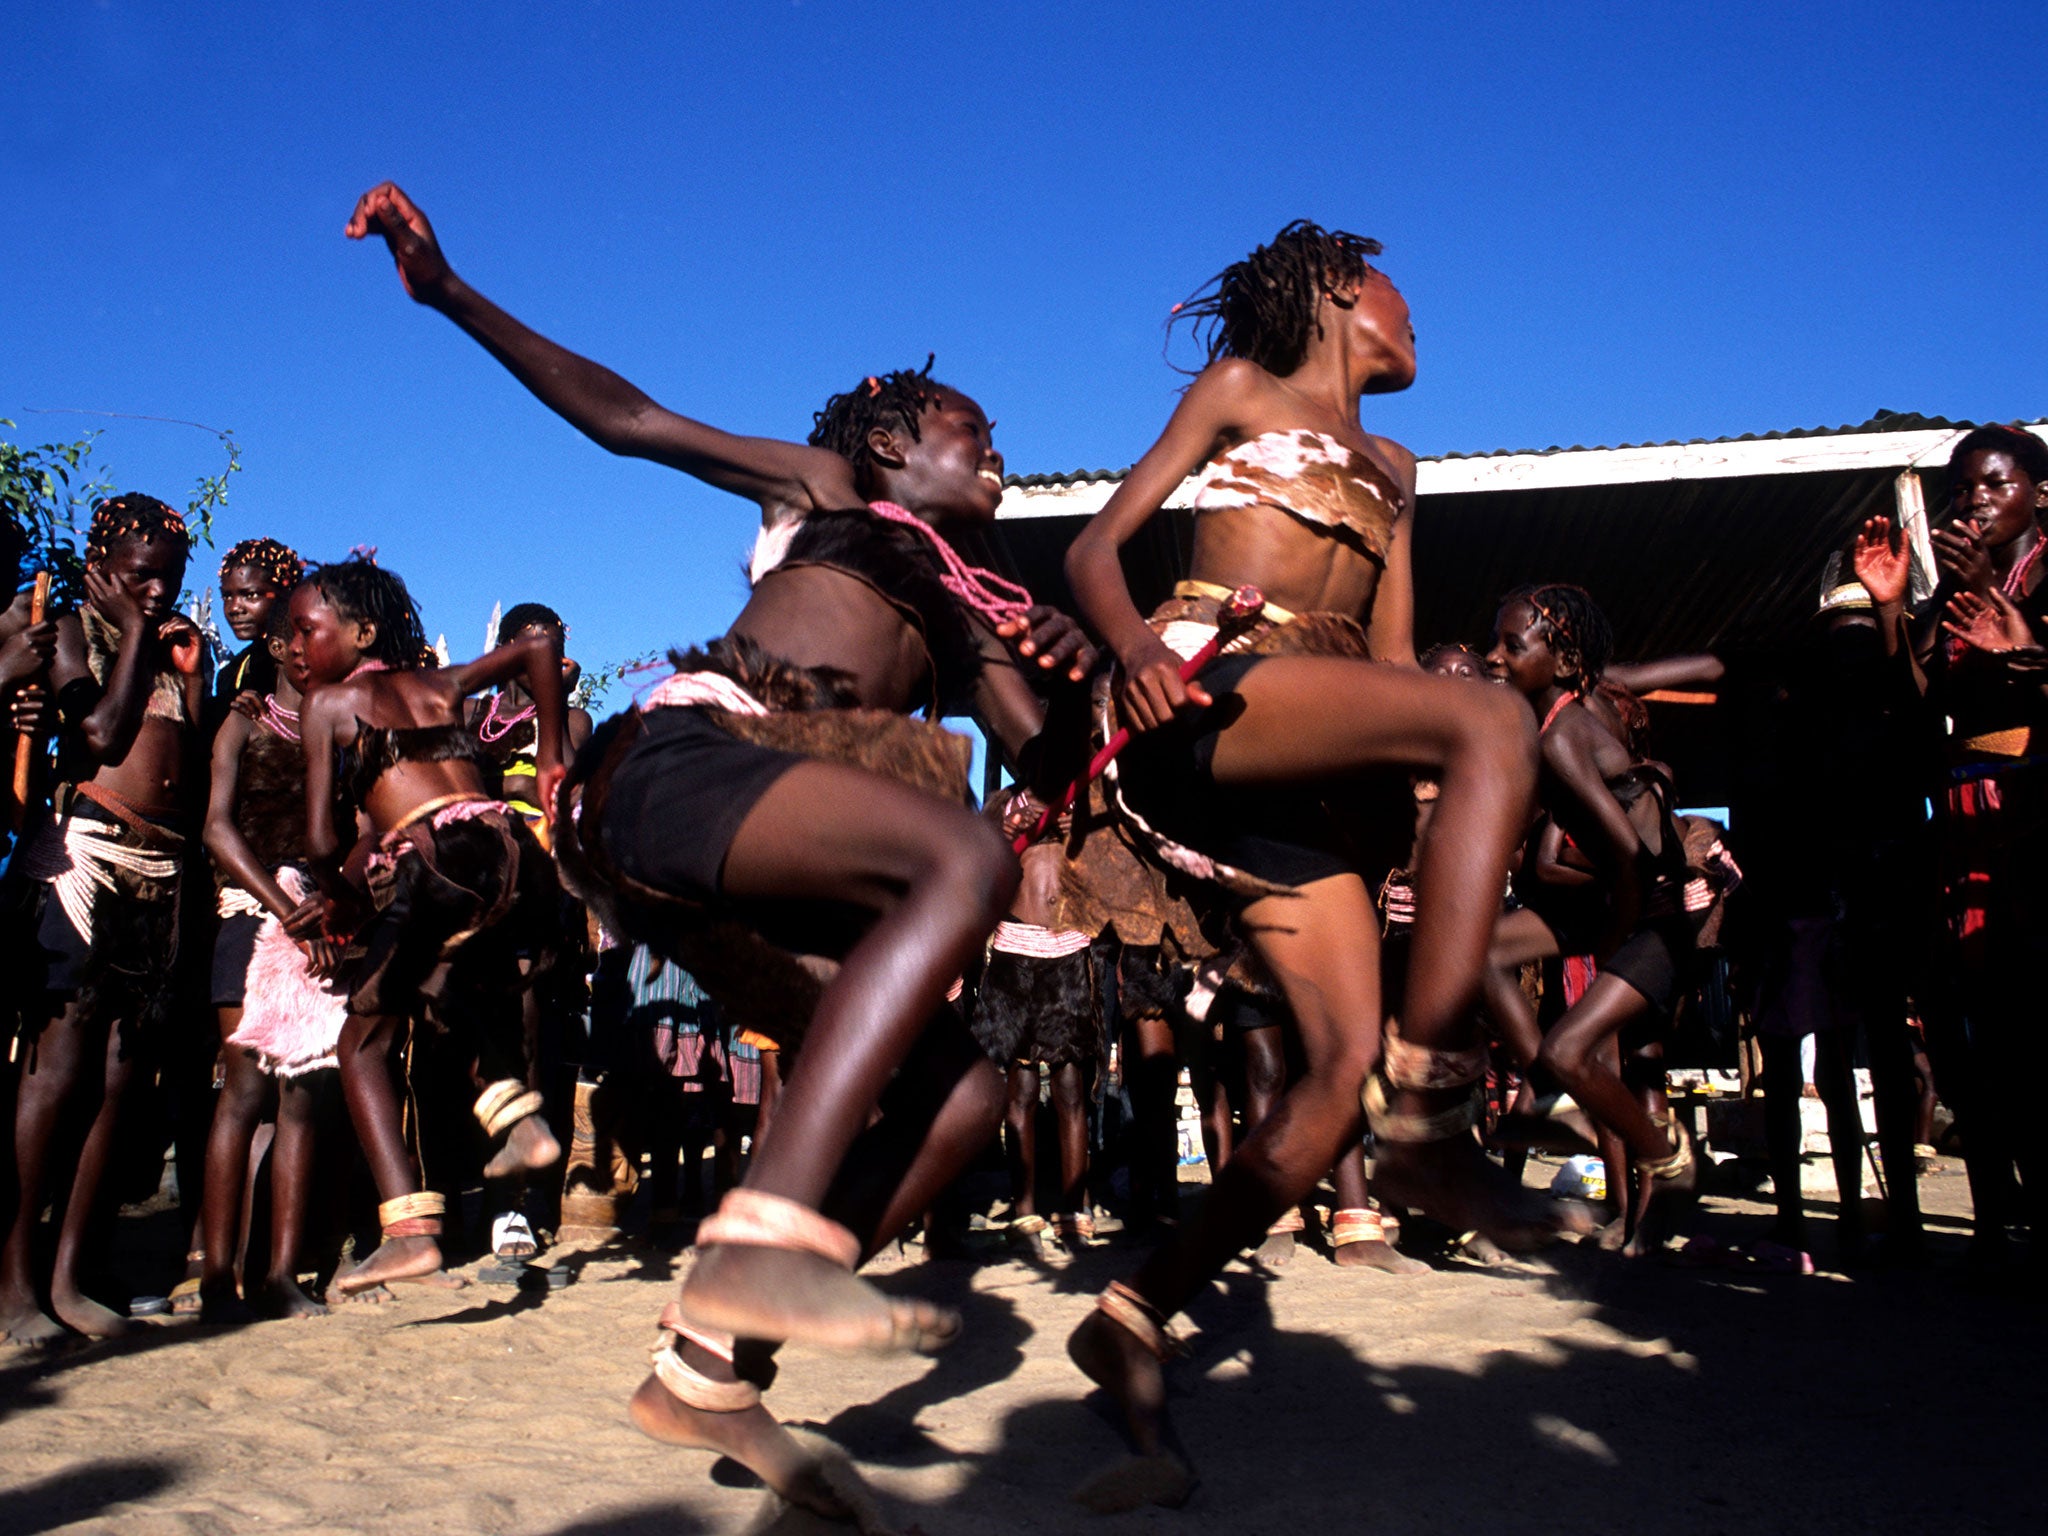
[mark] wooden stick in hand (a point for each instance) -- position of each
(25, 744)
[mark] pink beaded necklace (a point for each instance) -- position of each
(995, 598)
(281, 720)
(504, 726)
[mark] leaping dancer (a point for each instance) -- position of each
(1299, 500)
(770, 818)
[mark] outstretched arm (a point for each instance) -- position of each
(1641, 677)
(786, 478)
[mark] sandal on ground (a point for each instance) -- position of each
(512, 1237)
(184, 1297)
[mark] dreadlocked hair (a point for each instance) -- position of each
(891, 401)
(130, 516)
(2026, 450)
(1264, 307)
(524, 616)
(364, 592)
(278, 564)
(1574, 622)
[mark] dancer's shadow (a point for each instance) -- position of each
(67, 1498)
(989, 1350)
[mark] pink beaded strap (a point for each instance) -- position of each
(995, 598)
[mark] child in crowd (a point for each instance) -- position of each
(452, 879)
(279, 1019)
(99, 885)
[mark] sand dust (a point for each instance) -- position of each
(1581, 1394)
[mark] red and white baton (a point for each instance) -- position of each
(1238, 610)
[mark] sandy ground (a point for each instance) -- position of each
(1579, 1393)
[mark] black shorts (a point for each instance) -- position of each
(233, 947)
(1280, 833)
(677, 798)
(1657, 961)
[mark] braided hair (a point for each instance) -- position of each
(2025, 449)
(1264, 307)
(892, 401)
(1447, 649)
(524, 616)
(131, 516)
(1575, 626)
(363, 592)
(278, 564)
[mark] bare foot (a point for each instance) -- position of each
(750, 1437)
(529, 1147)
(783, 1294)
(282, 1297)
(1454, 1182)
(1375, 1254)
(1277, 1249)
(375, 1296)
(400, 1258)
(1612, 1237)
(1159, 1472)
(29, 1326)
(82, 1314)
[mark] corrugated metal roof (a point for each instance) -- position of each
(1883, 421)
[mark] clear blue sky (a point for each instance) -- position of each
(1614, 223)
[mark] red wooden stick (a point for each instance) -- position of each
(1244, 605)
(24, 745)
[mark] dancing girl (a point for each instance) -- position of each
(1299, 500)
(1551, 644)
(771, 819)
(450, 877)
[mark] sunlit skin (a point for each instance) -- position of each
(111, 741)
(1307, 719)
(935, 877)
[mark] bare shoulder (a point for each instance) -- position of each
(1400, 459)
(827, 481)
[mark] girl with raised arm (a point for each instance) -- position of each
(770, 819)
(452, 878)
(1227, 773)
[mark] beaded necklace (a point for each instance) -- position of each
(504, 725)
(995, 598)
(281, 720)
